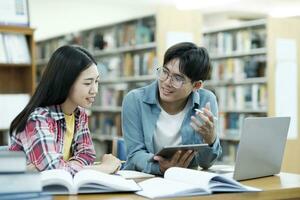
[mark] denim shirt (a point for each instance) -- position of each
(139, 116)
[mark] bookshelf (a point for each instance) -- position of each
(17, 73)
(243, 78)
(239, 78)
(128, 53)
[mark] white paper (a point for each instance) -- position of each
(14, 12)
(177, 37)
(286, 83)
(11, 106)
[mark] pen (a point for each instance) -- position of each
(98, 163)
(200, 111)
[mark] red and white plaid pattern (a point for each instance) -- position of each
(43, 136)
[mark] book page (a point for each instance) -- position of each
(57, 181)
(208, 181)
(194, 177)
(160, 187)
(101, 182)
(130, 174)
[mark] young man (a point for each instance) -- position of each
(163, 113)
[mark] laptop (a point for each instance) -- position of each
(261, 147)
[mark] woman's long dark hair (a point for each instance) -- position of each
(64, 66)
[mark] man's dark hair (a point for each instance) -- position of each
(194, 61)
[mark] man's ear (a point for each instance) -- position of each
(197, 85)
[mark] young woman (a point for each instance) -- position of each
(163, 113)
(52, 129)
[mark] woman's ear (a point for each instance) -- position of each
(197, 85)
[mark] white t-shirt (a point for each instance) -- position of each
(167, 129)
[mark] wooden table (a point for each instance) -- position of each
(281, 186)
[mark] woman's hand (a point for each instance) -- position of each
(109, 164)
(179, 159)
(31, 168)
(206, 128)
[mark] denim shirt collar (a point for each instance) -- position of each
(151, 95)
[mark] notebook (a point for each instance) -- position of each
(261, 147)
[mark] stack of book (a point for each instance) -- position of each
(15, 181)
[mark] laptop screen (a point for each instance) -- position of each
(261, 147)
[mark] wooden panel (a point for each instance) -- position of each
(284, 28)
(16, 29)
(15, 80)
(169, 19)
(18, 78)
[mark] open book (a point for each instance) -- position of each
(59, 181)
(131, 174)
(187, 182)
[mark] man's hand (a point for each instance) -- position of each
(207, 128)
(179, 159)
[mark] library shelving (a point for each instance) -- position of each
(17, 73)
(128, 54)
(238, 78)
(244, 59)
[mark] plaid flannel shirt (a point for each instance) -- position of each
(42, 140)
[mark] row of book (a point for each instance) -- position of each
(105, 124)
(129, 64)
(14, 49)
(112, 37)
(236, 69)
(230, 124)
(229, 150)
(240, 97)
(235, 41)
(110, 96)
(127, 34)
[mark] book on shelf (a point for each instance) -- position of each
(227, 42)
(14, 49)
(3, 56)
(249, 96)
(59, 181)
(188, 182)
(17, 49)
(12, 161)
(14, 13)
(238, 69)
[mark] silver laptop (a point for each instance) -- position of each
(261, 147)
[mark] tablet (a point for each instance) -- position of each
(168, 151)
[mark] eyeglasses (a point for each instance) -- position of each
(176, 80)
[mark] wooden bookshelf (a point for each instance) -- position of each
(227, 57)
(17, 77)
(239, 60)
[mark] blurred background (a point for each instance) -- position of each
(253, 45)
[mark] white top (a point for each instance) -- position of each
(167, 131)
